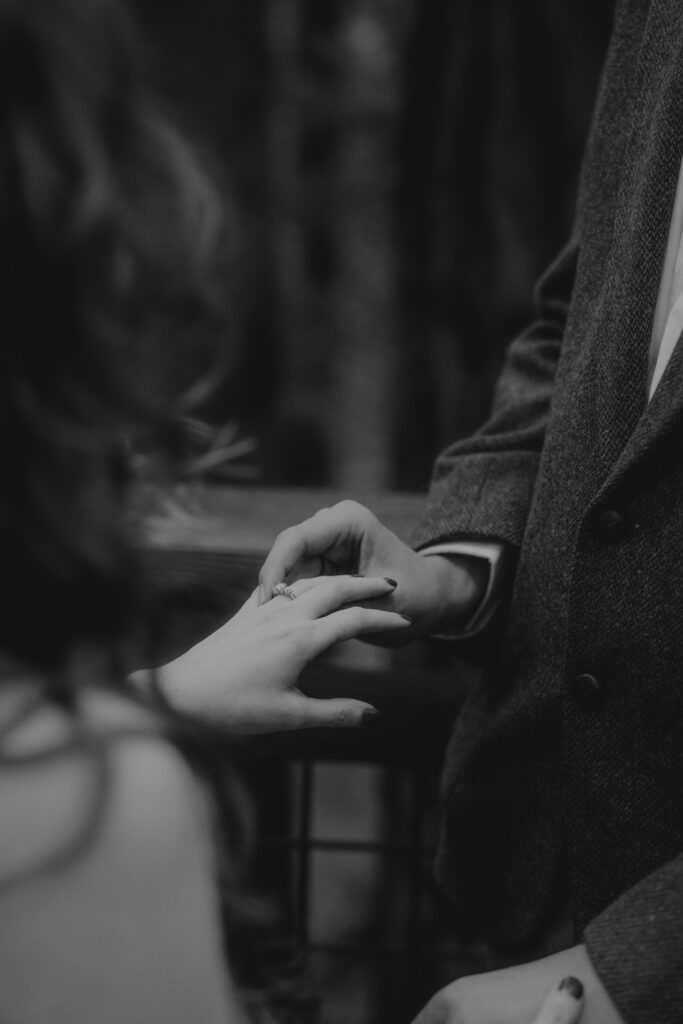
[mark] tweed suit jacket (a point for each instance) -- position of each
(566, 765)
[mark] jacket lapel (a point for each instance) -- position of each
(663, 415)
(629, 425)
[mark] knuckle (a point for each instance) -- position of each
(360, 512)
(349, 507)
(437, 1011)
(450, 1005)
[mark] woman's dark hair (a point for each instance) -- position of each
(108, 239)
(107, 230)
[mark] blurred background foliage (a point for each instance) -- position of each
(397, 173)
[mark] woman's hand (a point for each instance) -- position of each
(520, 995)
(436, 593)
(244, 676)
(481, 1000)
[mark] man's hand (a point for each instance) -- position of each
(518, 995)
(244, 676)
(436, 593)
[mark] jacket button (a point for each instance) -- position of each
(611, 524)
(587, 690)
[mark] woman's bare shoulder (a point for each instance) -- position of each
(108, 866)
(58, 772)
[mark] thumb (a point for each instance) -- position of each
(563, 1004)
(334, 713)
(288, 549)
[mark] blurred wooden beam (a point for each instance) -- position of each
(216, 537)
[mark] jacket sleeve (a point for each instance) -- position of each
(636, 947)
(482, 486)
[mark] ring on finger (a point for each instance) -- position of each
(283, 590)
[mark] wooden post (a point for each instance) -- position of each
(361, 429)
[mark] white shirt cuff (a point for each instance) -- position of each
(492, 553)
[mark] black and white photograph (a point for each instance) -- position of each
(341, 512)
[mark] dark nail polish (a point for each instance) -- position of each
(392, 583)
(371, 717)
(573, 986)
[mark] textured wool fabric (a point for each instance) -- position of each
(566, 764)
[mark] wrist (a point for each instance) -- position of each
(141, 680)
(158, 682)
(459, 584)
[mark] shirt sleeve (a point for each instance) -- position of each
(494, 554)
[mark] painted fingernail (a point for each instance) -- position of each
(573, 986)
(371, 717)
(392, 583)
